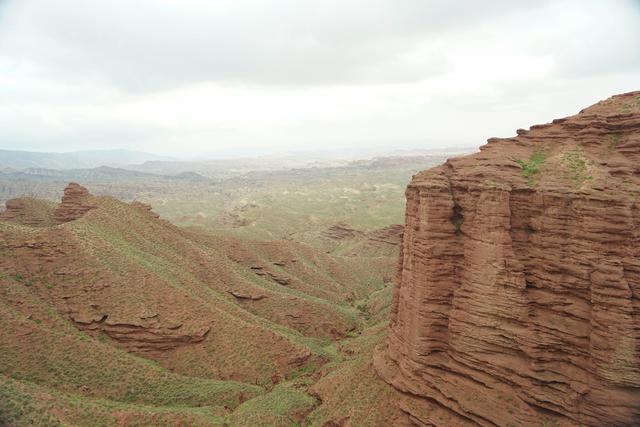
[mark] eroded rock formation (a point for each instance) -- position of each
(146, 333)
(391, 234)
(28, 211)
(341, 231)
(75, 203)
(517, 299)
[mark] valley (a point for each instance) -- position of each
(256, 213)
(505, 292)
(255, 300)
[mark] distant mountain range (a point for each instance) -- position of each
(75, 160)
(104, 174)
(13, 160)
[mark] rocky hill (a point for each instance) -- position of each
(517, 299)
(112, 315)
(29, 211)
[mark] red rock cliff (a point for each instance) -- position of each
(517, 299)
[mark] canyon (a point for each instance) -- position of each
(517, 297)
(270, 299)
(113, 315)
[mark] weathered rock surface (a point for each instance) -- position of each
(341, 231)
(517, 299)
(198, 304)
(142, 334)
(76, 202)
(28, 211)
(391, 234)
(241, 296)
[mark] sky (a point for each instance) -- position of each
(199, 77)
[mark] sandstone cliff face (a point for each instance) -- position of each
(517, 299)
(76, 202)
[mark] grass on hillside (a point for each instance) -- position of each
(287, 404)
(351, 390)
(298, 204)
(531, 167)
(578, 165)
(26, 404)
(55, 374)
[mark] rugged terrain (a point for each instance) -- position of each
(264, 300)
(298, 204)
(518, 288)
(112, 315)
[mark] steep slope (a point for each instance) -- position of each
(86, 304)
(518, 290)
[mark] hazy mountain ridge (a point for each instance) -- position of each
(73, 160)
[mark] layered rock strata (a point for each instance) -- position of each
(146, 333)
(391, 234)
(28, 211)
(517, 299)
(76, 202)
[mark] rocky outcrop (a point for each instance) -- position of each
(341, 231)
(263, 271)
(76, 202)
(14, 208)
(391, 234)
(517, 299)
(147, 333)
(246, 296)
(147, 209)
(28, 211)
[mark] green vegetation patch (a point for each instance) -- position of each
(286, 405)
(75, 363)
(578, 165)
(628, 107)
(28, 404)
(531, 167)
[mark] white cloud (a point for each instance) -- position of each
(175, 77)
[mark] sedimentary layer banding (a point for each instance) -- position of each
(517, 299)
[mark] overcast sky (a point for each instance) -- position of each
(183, 77)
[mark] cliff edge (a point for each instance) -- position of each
(517, 298)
